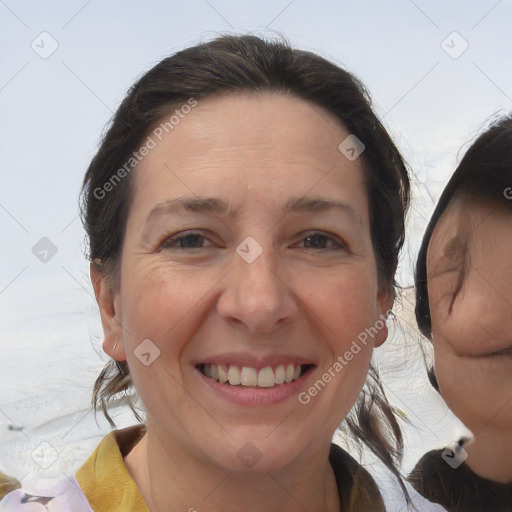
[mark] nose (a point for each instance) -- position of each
(258, 295)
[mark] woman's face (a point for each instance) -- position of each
(248, 246)
(469, 269)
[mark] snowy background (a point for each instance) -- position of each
(437, 72)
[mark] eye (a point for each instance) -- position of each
(187, 241)
(316, 240)
(192, 240)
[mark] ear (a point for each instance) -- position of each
(385, 299)
(110, 312)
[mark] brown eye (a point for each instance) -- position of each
(187, 241)
(318, 240)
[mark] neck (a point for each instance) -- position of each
(489, 455)
(167, 474)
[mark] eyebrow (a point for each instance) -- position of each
(220, 207)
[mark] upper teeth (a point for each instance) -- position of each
(265, 378)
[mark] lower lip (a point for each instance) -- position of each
(254, 395)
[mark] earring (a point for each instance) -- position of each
(114, 349)
(115, 360)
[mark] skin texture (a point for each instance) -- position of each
(470, 292)
(257, 152)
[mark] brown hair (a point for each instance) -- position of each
(251, 64)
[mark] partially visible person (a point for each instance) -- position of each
(464, 307)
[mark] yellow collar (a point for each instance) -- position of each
(104, 478)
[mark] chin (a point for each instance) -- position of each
(258, 453)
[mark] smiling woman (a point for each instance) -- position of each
(249, 250)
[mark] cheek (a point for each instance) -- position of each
(350, 311)
(457, 390)
(164, 305)
(479, 322)
(451, 374)
(343, 312)
(477, 390)
(345, 301)
(487, 308)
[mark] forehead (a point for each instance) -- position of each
(266, 143)
(470, 226)
(258, 124)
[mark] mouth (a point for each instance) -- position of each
(504, 352)
(247, 377)
(494, 354)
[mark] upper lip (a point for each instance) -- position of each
(252, 361)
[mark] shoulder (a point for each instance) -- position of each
(355, 485)
(457, 487)
(429, 473)
(375, 477)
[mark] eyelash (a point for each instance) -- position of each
(167, 243)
